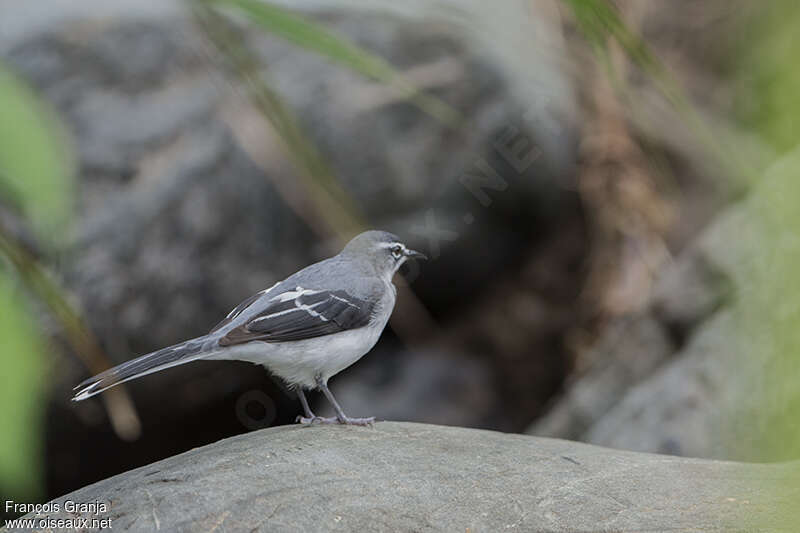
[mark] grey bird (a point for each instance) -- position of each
(304, 329)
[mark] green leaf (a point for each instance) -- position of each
(766, 52)
(312, 36)
(21, 395)
(36, 170)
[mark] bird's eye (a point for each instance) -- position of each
(397, 251)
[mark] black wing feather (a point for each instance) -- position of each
(303, 317)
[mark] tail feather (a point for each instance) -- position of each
(178, 354)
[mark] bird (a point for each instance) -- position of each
(304, 329)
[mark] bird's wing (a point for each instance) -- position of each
(300, 314)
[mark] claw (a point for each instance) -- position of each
(306, 421)
(358, 421)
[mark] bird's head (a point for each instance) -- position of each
(383, 250)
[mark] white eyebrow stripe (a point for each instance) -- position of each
(392, 245)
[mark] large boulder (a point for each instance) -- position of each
(413, 477)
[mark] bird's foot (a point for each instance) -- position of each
(310, 421)
(357, 421)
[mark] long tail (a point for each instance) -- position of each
(178, 354)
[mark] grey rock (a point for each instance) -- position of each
(413, 477)
(688, 292)
(680, 408)
(100, 117)
(629, 352)
(656, 380)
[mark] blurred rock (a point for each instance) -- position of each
(728, 380)
(681, 408)
(652, 383)
(414, 477)
(628, 352)
(688, 292)
(149, 109)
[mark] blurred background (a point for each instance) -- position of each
(606, 190)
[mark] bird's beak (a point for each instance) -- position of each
(413, 254)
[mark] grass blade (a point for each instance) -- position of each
(600, 23)
(340, 50)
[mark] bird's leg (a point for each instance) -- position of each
(340, 416)
(310, 417)
(304, 403)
